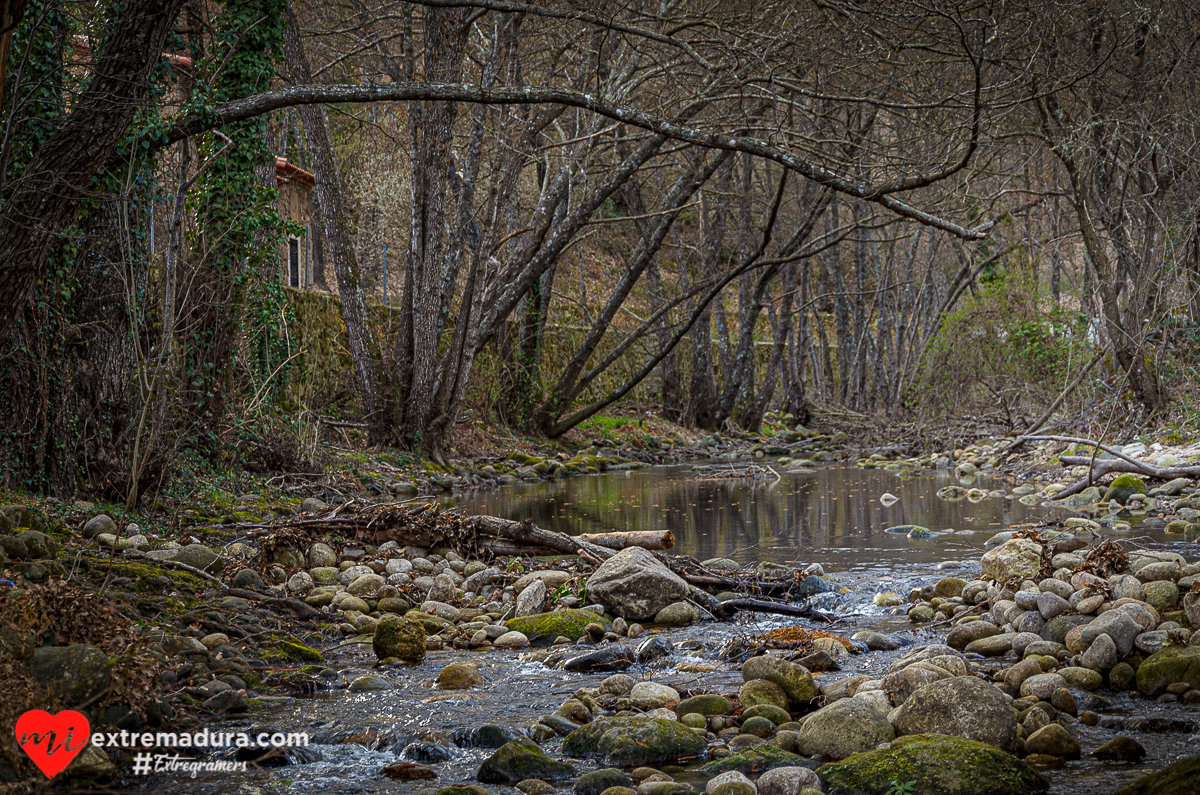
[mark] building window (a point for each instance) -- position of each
(293, 262)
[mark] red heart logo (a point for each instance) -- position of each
(52, 741)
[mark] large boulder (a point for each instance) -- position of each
(544, 628)
(1018, 558)
(960, 707)
(633, 741)
(845, 727)
(932, 765)
(398, 637)
(1172, 664)
(76, 673)
(795, 679)
(636, 585)
(521, 759)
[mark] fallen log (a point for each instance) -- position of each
(729, 607)
(646, 539)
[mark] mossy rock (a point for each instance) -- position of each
(1124, 487)
(932, 764)
(22, 517)
(298, 652)
(521, 759)
(524, 459)
(704, 704)
(543, 628)
(397, 637)
(1179, 779)
(1170, 665)
(757, 760)
(774, 714)
(634, 741)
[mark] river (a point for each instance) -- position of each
(832, 516)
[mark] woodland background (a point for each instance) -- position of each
(887, 217)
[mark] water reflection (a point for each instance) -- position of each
(832, 516)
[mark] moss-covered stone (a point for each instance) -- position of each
(761, 691)
(704, 704)
(932, 764)
(1168, 666)
(543, 628)
(465, 789)
(1179, 779)
(630, 741)
(757, 760)
(1124, 487)
(399, 638)
(776, 715)
(298, 652)
(521, 759)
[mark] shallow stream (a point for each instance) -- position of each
(832, 516)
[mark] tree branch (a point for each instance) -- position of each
(186, 124)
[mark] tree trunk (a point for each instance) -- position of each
(43, 199)
(329, 203)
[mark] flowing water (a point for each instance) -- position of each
(832, 516)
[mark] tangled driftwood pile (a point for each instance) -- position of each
(429, 525)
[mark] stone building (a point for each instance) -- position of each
(295, 205)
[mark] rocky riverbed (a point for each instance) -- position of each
(1068, 662)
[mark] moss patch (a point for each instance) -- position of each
(298, 652)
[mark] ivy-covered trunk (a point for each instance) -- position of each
(232, 206)
(38, 204)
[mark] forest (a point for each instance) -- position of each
(897, 219)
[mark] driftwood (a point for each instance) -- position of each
(427, 525)
(646, 539)
(727, 609)
(1122, 464)
(618, 540)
